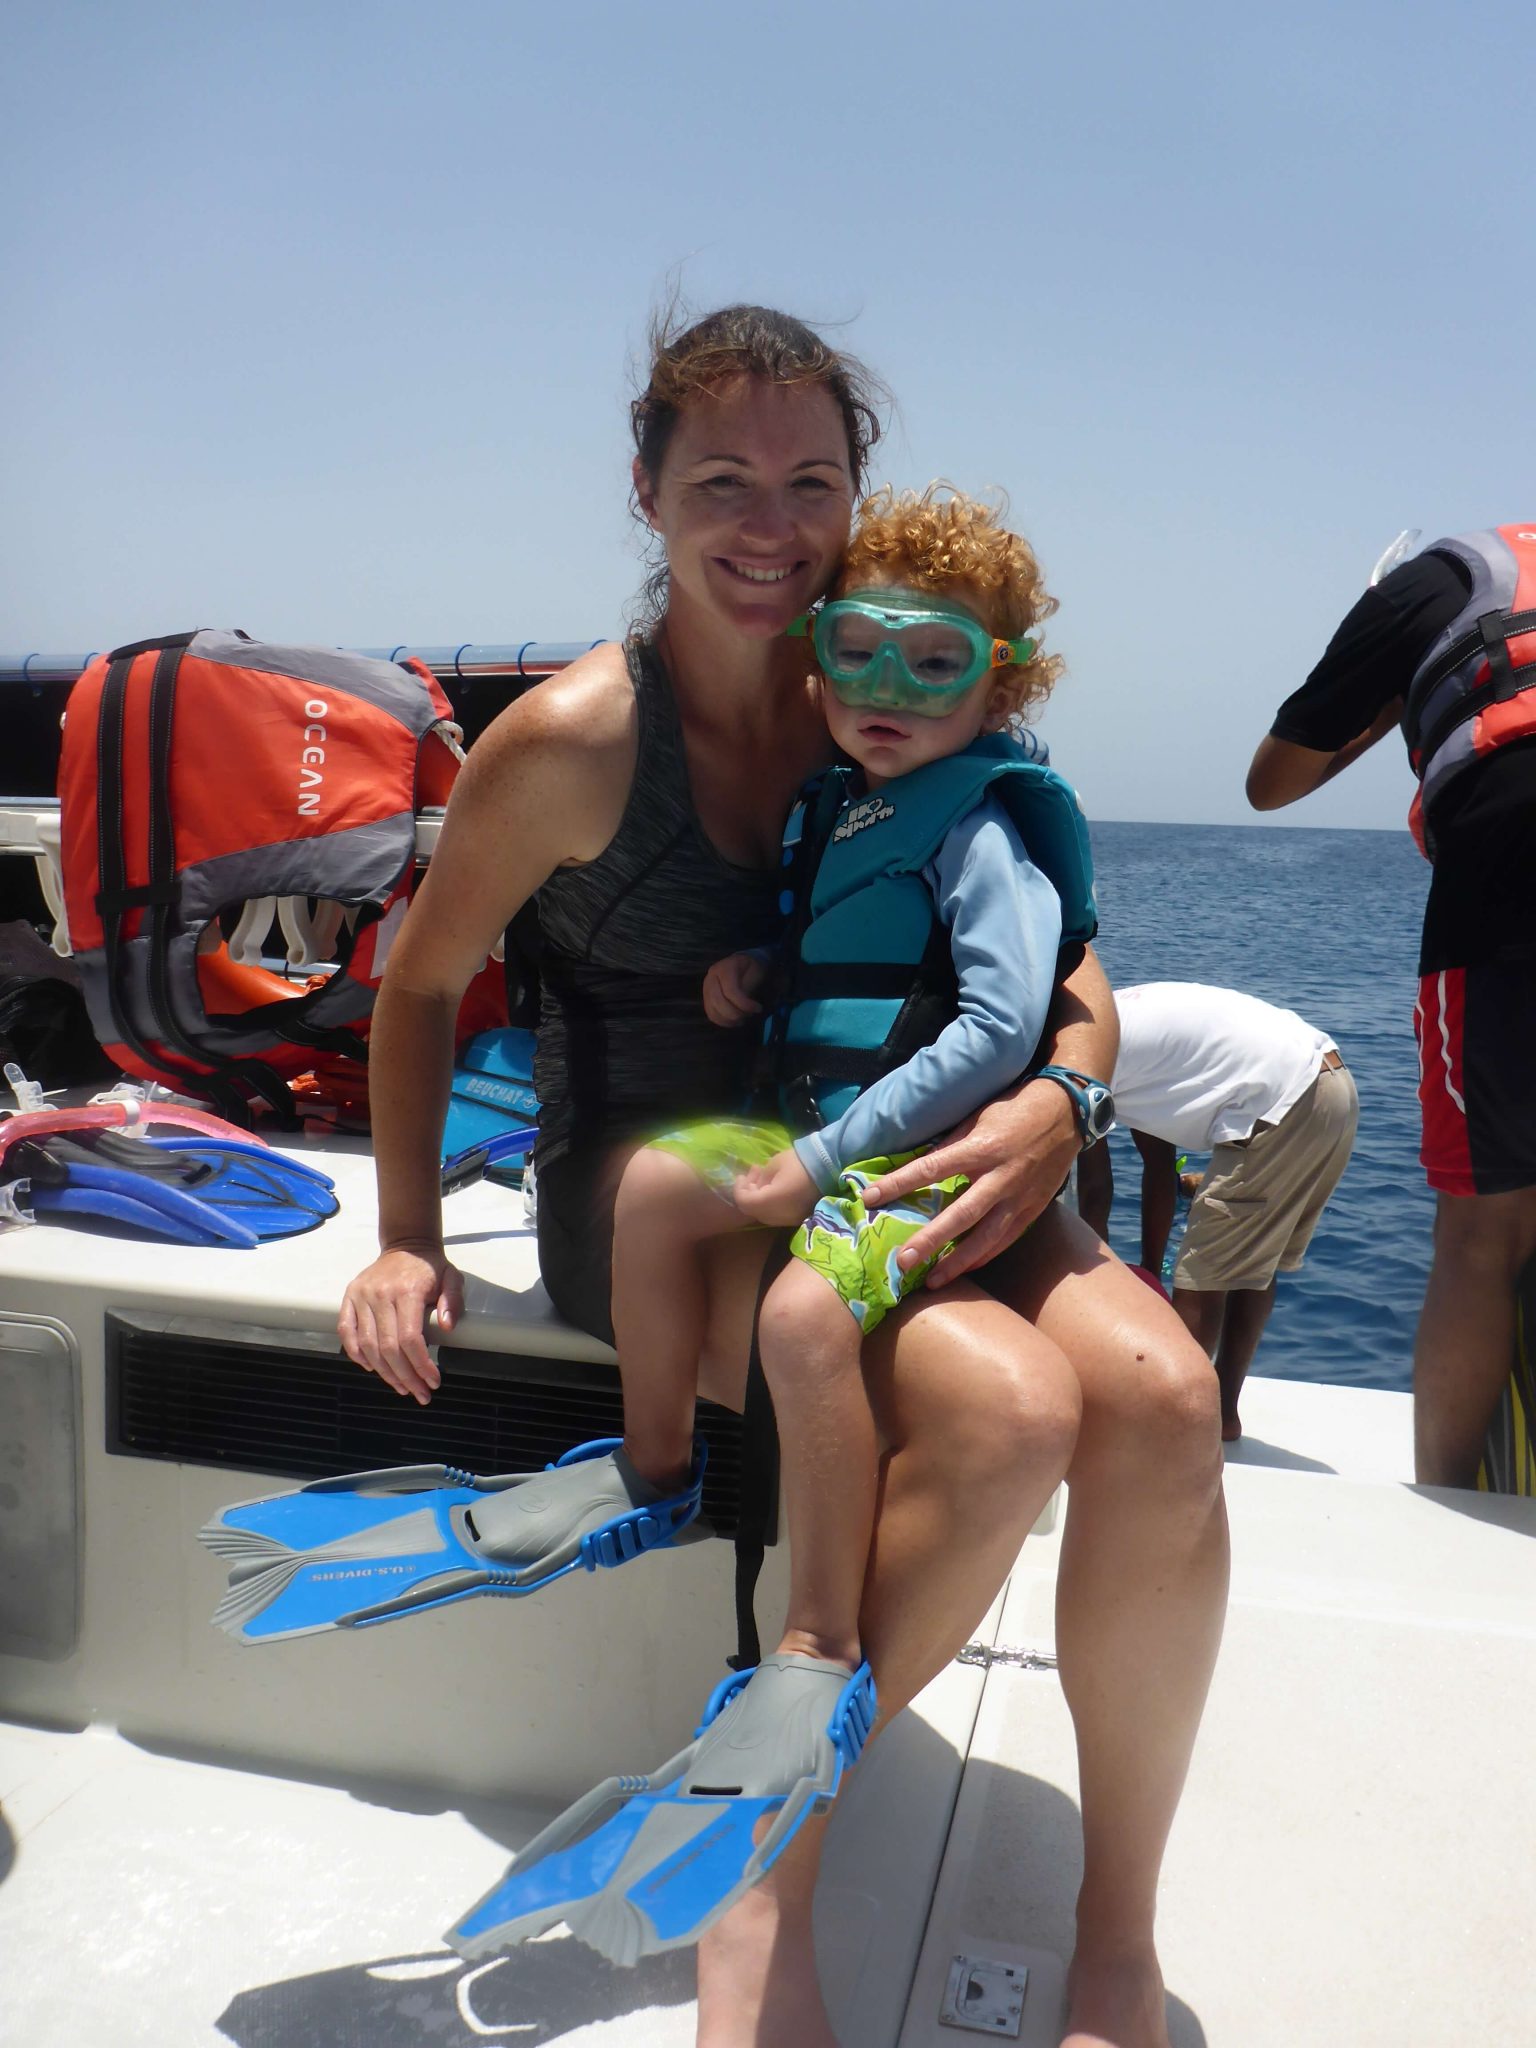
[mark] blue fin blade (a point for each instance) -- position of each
(140, 1204)
(680, 1852)
(272, 1195)
(304, 1562)
(368, 1547)
(700, 1880)
(535, 1895)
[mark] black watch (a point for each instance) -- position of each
(1093, 1104)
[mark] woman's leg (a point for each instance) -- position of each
(663, 1218)
(829, 1457)
(977, 1415)
(1141, 1596)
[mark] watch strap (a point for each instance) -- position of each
(1089, 1097)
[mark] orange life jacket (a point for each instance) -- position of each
(205, 770)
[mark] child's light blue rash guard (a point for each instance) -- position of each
(1004, 924)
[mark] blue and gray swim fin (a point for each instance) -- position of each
(371, 1546)
(645, 1864)
(187, 1190)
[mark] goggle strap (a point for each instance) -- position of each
(1006, 652)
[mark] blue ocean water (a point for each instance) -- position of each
(1327, 923)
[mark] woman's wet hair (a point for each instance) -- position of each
(691, 357)
(941, 541)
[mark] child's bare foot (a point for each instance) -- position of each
(1115, 1999)
(1231, 1428)
(757, 1976)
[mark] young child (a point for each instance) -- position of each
(921, 956)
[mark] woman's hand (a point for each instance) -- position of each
(730, 989)
(1015, 1153)
(780, 1193)
(384, 1313)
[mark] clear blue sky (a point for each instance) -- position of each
(319, 318)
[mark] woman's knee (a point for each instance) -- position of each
(1159, 1413)
(1015, 1409)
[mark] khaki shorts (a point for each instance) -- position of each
(1261, 1199)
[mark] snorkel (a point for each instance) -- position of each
(1391, 557)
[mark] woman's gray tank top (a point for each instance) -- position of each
(625, 941)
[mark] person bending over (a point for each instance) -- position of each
(1440, 646)
(1267, 1095)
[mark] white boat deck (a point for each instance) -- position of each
(1351, 1865)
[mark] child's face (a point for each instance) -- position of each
(887, 740)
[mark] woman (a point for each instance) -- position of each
(641, 795)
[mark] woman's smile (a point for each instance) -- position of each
(753, 502)
(757, 572)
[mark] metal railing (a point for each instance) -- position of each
(465, 660)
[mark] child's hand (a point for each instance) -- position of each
(781, 1193)
(730, 987)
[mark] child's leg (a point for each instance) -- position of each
(663, 1216)
(811, 1343)
(810, 1347)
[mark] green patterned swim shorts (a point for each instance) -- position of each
(853, 1248)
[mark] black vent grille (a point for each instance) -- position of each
(268, 1401)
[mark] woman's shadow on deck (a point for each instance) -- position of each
(551, 1989)
(542, 1992)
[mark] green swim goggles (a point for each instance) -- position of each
(886, 650)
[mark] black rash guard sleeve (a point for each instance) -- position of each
(1371, 658)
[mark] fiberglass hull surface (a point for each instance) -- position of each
(208, 1843)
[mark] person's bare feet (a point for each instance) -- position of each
(1231, 1429)
(1115, 2000)
(757, 1976)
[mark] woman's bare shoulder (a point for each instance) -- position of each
(563, 752)
(587, 710)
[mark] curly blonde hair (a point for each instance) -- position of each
(941, 541)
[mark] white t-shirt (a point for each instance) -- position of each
(1201, 1066)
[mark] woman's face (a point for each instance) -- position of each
(753, 502)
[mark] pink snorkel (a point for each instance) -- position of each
(109, 1115)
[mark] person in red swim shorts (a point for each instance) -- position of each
(1444, 645)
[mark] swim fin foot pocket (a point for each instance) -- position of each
(371, 1546)
(645, 1864)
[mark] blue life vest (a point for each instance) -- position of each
(871, 978)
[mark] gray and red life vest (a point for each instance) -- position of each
(1475, 688)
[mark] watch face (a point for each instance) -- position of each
(1101, 1112)
(1092, 1102)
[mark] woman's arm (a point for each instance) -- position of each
(544, 785)
(1018, 1150)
